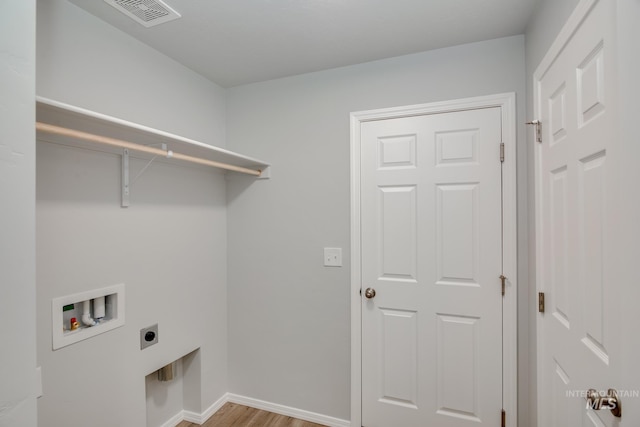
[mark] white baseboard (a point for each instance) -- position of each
(194, 417)
(288, 411)
(175, 420)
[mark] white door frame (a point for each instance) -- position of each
(506, 102)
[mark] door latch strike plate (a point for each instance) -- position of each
(541, 302)
(538, 129)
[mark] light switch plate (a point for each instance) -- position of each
(333, 257)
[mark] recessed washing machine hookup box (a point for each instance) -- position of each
(86, 314)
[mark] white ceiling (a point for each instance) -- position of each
(234, 42)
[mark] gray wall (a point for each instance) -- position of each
(85, 62)
(169, 247)
(17, 234)
(547, 21)
(289, 327)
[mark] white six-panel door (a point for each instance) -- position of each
(431, 218)
(578, 347)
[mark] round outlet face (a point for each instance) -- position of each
(149, 336)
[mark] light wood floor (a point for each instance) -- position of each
(234, 415)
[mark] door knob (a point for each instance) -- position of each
(370, 293)
(596, 401)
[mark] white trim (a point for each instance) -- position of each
(506, 102)
(194, 417)
(288, 411)
(175, 420)
(579, 14)
(356, 275)
(538, 243)
(510, 263)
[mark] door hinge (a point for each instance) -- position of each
(541, 302)
(538, 129)
(502, 152)
(503, 418)
(503, 280)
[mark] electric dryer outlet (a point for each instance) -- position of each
(148, 336)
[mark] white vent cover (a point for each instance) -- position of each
(146, 12)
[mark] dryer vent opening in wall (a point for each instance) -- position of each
(146, 12)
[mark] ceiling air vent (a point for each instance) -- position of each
(146, 12)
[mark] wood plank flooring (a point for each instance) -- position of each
(234, 415)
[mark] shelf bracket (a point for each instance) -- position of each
(144, 169)
(127, 182)
(125, 178)
(265, 173)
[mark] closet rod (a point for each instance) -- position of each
(58, 130)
